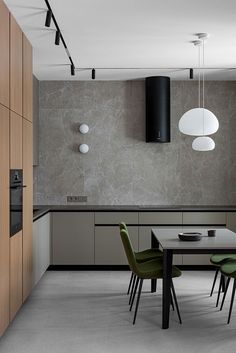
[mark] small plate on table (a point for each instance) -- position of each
(190, 236)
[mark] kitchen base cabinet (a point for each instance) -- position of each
(108, 245)
(73, 238)
(41, 247)
(15, 274)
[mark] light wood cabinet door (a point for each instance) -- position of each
(15, 141)
(15, 66)
(4, 219)
(27, 208)
(73, 238)
(27, 80)
(5, 52)
(15, 274)
(109, 249)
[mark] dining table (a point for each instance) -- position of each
(168, 241)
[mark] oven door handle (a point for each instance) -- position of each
(18, 187)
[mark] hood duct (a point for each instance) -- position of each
(157, 109)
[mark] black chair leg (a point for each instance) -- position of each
(219, 290)
(225, 292)
(130, 282)
(132, 290)
(138, 298)
(134, 293)
(214, 282)
(171, 302)
(223, 284)
(232, 301)
(175, 300)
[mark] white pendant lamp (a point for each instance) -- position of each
(199, 121)
(203, 144)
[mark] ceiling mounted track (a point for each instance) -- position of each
(50, 16)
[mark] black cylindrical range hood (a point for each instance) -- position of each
(157, 109)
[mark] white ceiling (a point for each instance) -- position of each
(129, 34)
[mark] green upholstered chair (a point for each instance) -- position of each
(141, 256)
(218, 260)
(228, 269)
(152, 269)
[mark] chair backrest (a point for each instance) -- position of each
(123, 226)
(128, 250)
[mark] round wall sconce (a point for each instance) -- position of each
(83, 129)
(83, 148)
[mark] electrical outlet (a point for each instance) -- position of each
(77, 198)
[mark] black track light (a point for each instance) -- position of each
(57, 37)
(72, 70)
(48, 18)
(191, 74)
(93, 74)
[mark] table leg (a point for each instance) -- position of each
(155, 244)
(166, 294)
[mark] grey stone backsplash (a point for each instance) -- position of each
(120, 167)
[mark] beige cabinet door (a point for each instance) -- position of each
(160, 218)
(231, 221)
(108, 245)
(4, 219)
(15, 66)
(73, 238)
(15, 274)
(204, 218)
(5, 51)
(41, 247)
(27, 209)
(145, 242)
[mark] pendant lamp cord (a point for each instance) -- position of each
(199, 76)
(203, 83)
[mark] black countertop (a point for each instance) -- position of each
(40, 210)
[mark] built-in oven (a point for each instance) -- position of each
(16, 200)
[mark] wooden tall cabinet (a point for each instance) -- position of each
(4, 219)
(16, 153)
(4, 41)
(15, 67)
(27, 208)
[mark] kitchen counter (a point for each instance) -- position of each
(40, 210)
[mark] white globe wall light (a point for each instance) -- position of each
(84, 129)
(83, 148)
(203, 144)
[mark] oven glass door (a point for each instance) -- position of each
(16, 202)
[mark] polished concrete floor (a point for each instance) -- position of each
(87, 312)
